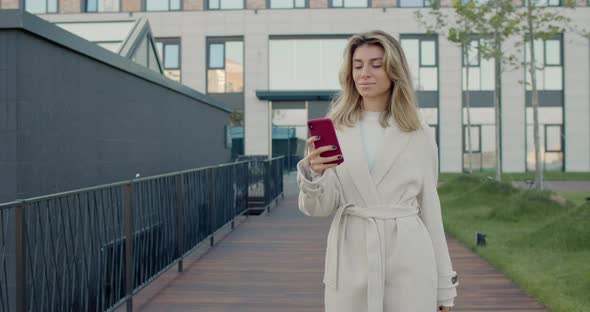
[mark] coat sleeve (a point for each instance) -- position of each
(319, 195)
(432, 217)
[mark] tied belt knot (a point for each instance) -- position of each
(375, 263)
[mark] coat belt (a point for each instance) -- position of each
(376, 263)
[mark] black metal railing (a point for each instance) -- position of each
(265, 179)
(93, 249)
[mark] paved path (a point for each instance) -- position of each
(274, 263)
(562, 186)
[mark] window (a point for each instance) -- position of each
(349, 3)
(544, 2)
(421, 54)
(305, 63)
(145, 54)
(162, 5)
(477, 2)
(481, 71)
(551, 138)
(415, 3)
(169, 53)
(225, 65)
(225, 4)
(430, 116)
(483, 139)
(548, 60)
(41, 6)
(289, 4)
(102, 5)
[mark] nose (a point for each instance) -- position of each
(365, 71)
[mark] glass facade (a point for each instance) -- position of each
(544, 2)
(162, 5)
(415, 3)
(145, 54)
(483, 139)
(551, 138)
(349, 3)
(41, 6)
(288, 4)
(481, 71)
(225, 4)
(225, 65)
(430, 115)
(548, 60)
(102, 5)
(305, 64)
(421, 54)
(169, 53)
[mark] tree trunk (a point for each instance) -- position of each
(498, 73)
(469, 147)
(534, 100)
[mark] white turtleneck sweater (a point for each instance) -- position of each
(371, 135)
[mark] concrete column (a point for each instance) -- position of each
(131, 5)
(318, 4)
(577, 102)
(256, 112)
(193, 5)
(513, 118)
(450, 116)
(9, 4)
(69, 6)
(255, 4)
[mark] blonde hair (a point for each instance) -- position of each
(346, 108)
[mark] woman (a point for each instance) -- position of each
(386, 249)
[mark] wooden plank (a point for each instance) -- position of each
(275, 262)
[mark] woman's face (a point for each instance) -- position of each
(368, 72)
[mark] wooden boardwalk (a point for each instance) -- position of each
(274, 263)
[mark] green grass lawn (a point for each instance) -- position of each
(542, 245)
(548, 176)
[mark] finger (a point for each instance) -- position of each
(310, 142)
(319, 168)
(322, 160)
(321, 150)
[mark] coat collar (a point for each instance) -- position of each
(356, 164)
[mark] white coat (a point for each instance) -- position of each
(386, 249)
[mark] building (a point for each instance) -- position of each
(274, 59)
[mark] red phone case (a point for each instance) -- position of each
(325, 129)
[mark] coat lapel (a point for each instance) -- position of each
(395, 142)
(356, 165)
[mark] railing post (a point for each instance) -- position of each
(180, 227)
(267, 173)
(128, 192)
(212, 204)
(21, 265)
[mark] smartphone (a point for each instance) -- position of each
(325, 129)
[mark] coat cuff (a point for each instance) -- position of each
(447, 288)
(446, 303)
(309, 180)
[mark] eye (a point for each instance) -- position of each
(376, 66)
(358, 67)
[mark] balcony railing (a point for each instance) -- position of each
(92, 249)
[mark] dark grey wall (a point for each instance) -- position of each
(233, 100)
(76, 122)
(7, 116)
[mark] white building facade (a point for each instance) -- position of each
(284, 55)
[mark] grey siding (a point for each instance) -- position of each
(76, 122)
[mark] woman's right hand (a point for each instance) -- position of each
(316, 162)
